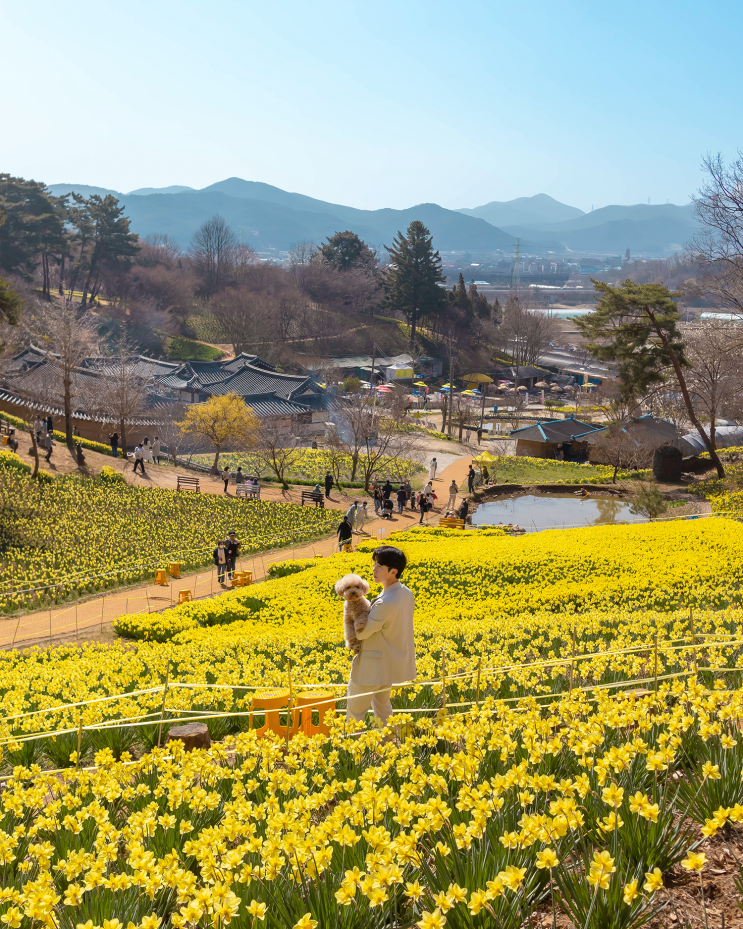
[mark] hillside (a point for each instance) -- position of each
(535, 210)
(271, 218)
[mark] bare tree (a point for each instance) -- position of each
(715, 379)
(120, 393)
(526, 333)
(719, 246)
(277, 449)
(372, 435)
(70, 337)
(615, 447)
(213, 254)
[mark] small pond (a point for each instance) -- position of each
(554, 512)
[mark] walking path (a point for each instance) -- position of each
(91, 620)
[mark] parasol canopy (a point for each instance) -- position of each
(477, 379)
(521, 388)
(420, 384)
(469, 393)
(541, 384)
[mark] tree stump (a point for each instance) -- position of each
(193, 735)
(667, 463)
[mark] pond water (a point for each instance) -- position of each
(554, 512)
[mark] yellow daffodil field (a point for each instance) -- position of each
(74, 535)
(313, 464)
(569, 755)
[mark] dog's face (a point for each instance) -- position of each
(352, 587)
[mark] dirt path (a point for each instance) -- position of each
(91, 620)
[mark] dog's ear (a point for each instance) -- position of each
(341, 585)
(365, 586)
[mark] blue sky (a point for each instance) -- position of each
(374, 104)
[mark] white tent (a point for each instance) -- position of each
(399, 372)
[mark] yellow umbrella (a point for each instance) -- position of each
(420, 384)
(477, 379)
(468, 393)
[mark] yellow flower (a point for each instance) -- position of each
(443, 901)
(12, 917)
(306, 922)
(547, 858)
(256, 910)
(653, 880)
(613, 795)
(711, 771)
(478, 899)
(630, 892)
(414, 890)
(432, 920)
(694, 861)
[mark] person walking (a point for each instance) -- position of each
(401, 498)
(409, 493)
(464, 508)
(387, 490)
(361, 515)
(344, 532)
(378, 499)
(351, 514)
(422, 506)
(328, 484)
(387, 655)
(156, 449)
(49, 444)
(113, 438)
(479, 434)
(39, 427)
(139, 459)
(453, 491)
(49, 423)
(232, 547)
(226, 477)
(433, 467)
(220, 560)
(471, 480)
(147, 451)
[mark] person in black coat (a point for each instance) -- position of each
(464, 509)
(232, 547)
(345, 533)
(402, 496)
(220, 560)
(328, 484)
(471, 479)
(387, 490)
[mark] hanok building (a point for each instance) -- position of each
(546, 439)
(296, 401)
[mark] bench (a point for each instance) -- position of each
(251, 491)
(188, 483)
(451, 523)
(310, 497)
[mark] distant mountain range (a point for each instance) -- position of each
(268, 217)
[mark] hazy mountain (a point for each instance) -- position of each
(173, 189)
(265, 225)
(59, 190)
(540, 208)
(641, 227)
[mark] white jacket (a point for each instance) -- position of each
(388, 652)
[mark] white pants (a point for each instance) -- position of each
(360, 519)
(379, 701)
(452, 502)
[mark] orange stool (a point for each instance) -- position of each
(270, 700)
(160, 578)
(175, 569)
(242, 578)
(321, 700)
(184, 596)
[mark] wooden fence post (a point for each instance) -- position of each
(162, 708)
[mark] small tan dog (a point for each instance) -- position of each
(353, 589)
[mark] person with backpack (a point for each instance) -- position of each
(49, 444)
(113, 438)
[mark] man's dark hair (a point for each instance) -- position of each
(390, 557)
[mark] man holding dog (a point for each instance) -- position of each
(387, 655)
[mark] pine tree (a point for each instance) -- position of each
(412, 281)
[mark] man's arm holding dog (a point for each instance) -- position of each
(379, 615)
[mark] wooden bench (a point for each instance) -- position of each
(451, 523)
(310, 497)
(251, 491)
(189, 483)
